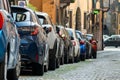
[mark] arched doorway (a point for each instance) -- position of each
(78, 19)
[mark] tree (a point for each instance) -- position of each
(32, 7)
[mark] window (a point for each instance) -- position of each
(19, 17)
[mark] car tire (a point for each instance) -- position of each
(13, 74)
(82, 57)
(3, 68)
(77, 58)
(2, 71)
(47, 62)
(57, 63)
(52, 59)
(46, 66)
(116, 46)
(62, 60)
(37, 69)
(94, 54)
(66, 58)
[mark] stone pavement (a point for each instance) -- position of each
(105, 67)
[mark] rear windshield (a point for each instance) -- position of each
(70, 33)
(21, 16)
(43, 20)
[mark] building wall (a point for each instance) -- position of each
(48, 6)
(37, 4)
(85, 6)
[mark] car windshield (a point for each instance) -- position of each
(21, 17)
(78, 35)
(70, 33)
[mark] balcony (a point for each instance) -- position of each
(67, 1)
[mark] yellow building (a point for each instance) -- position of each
(55, 8)
(80, 9)
(48, 6)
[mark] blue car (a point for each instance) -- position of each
(9, 45)
(82, 45)
(34, 48)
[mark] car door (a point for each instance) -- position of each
(109, 42)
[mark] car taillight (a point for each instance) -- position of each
(1, 20)
(74, 43)
(82, 42)
(35, 32)
(37, 57)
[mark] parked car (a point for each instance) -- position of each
(113, 41)
(105, 37)
(68, 46)
(75, 42)
(61, 49)
(34, 48)
(82, 45)
(53, 40)
(9, 44)
(93, 42)
(88, 47)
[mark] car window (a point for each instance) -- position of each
(110, 39)
(42, 19)
(37, 19)
(70, 33)
(20, 17)
(78, 35)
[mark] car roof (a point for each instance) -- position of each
(70, 29)
(20, 8)
(42, 13)
(60, 26)
(78, 31)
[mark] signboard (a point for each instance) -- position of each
(96, 11)
(22, 3)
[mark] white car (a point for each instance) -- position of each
(52, 39)
(75, 43)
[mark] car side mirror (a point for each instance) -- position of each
(47, 29)
(72, 38)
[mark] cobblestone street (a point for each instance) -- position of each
(105, 67)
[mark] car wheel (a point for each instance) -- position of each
(66, 58)
(37, 69)
(3, 68)
(2, 71)
(13, 74)
(116, 46)
(62, 60)
(46, 66)
(52, 60)
(47, 62)
(77, 58)
(82, 57)
(95, 55)
(57, 63)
